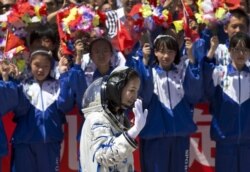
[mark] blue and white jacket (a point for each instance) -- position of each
(39, 109)
(169, 97)
(229, 93)
(3, 110)
(3, 140)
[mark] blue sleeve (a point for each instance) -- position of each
(9, 96)
(206, 35)
(23, 103)
(72, 87)
(65, 101)
(146, 77)
(193, 83)
(199, 50)
(78, 83)
(208, 68)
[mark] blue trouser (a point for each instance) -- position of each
(232, 157)
(167, 154)
(36, 157)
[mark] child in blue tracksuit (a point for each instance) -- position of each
(100, 53)
(169, 91)
(4, 67)
(228, 89)
(39, 105)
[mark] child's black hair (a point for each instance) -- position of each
(41, 50)
(240, 13)
(240, 36)
(97, 40)
(43, 31)
(169, 42)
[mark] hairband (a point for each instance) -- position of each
(49, 53)
(163, 36)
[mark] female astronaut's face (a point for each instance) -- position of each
(130, 91)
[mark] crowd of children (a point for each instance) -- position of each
(160, 79)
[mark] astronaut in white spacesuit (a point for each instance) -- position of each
(107, 139)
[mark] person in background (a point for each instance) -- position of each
(53, 7)
(44, 34)
(5, 5)
(106, 7)
(101, 60)
(238, 21)
(99, 3)
(39, 105)
(5, 68)
(227, 89)
(169, 91)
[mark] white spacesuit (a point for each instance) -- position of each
(107, 141)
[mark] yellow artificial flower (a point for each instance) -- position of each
(3, 24)
(37, 8)
(146, 11)
(220, 12)
(198, 17)
(199, 5)
(19, 49)
(96, 20)
(178, 25)
(165, 14)
(21, 64)
(71, 16)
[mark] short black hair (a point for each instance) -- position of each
(240, 13)
(42, 31)
(97, 40)
(240, 36)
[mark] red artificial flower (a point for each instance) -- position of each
(170, 19)
(158, 20)
(74, 23)
(43, 10)
(232, 4)
(135, 10)
(153, 2)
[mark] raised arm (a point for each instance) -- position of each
(72, 85)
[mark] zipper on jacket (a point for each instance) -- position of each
(43, 115)
(170, 104)
(239, 116)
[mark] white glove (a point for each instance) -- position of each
(140, 119)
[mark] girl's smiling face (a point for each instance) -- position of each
(166, 50)
(40, 67)
(165, 57)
